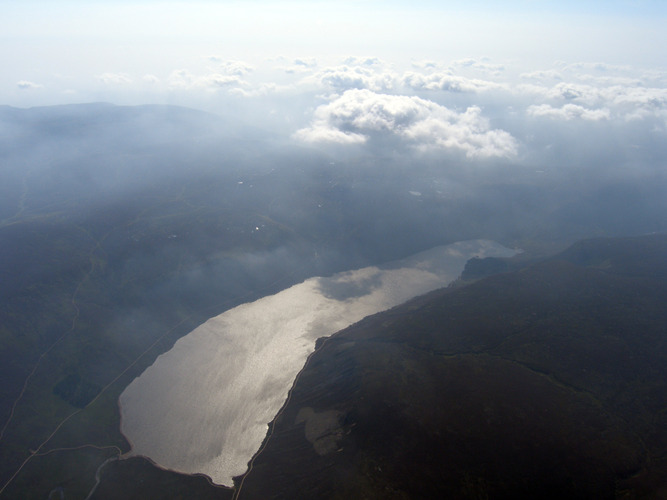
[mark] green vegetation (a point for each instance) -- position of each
(76, 391)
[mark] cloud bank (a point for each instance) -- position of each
(359, 116)
(478, 107)
(569, 112)
(448, 82)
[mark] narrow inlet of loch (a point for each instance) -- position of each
(204, 406)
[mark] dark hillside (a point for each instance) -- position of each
(549, 382)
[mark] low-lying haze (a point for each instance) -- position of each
(549, 85)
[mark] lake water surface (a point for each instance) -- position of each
(204, 406)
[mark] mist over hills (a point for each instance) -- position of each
(123, 228)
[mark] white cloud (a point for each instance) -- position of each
(482, 66)
(564, 91)
(363, 61)
(626, 98)
(637, 96)
(115, 78)
(600, 67)
(424, 64)
(261, 90)
(152, 79)
(183, 79)
(298, 65)
(27, 85)
(610, 80)
(574, 92)
(569, 112)
(341, 78)
(448, 82)
(218, 80)
(321, 131)
(541, 75)
(238, 68)
(359, 115)
(308, 62)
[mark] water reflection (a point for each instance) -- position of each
(203, 407)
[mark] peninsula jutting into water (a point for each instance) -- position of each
(203, 407)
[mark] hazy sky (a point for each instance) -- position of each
(449, 75)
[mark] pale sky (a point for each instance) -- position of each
(301, 64)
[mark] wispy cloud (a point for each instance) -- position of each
(185, 80)
(569, 112)
(231, 67)
(542, 75)
(27, 85)
(481, 66)
(341, 78)
(152, 79)
(447, 82)
(115, 78)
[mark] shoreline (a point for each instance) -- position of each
(211, 383)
